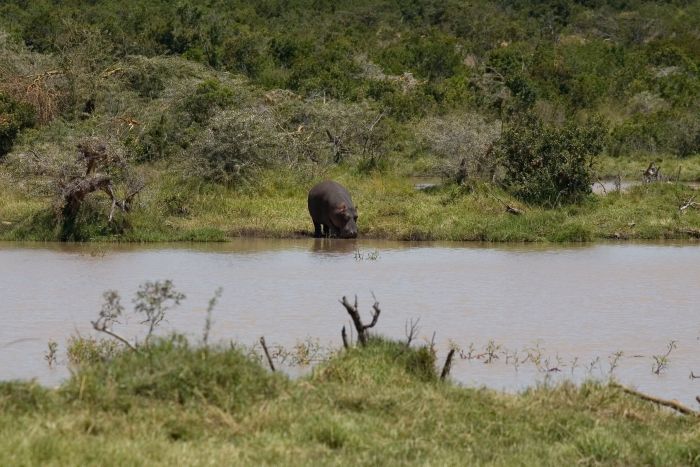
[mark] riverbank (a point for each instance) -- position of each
(383, 404)
(390, 207)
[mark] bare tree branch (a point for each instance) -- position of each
(102, 327)
(411, 329)
(362, 329)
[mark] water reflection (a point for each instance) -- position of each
(334, 246)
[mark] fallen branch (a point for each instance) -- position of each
(690, 203)
(694, 233)
(267, 354)
(362, 329)
(448, 365)
(673, 404)
(509, 209)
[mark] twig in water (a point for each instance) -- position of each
(448, 364)
(267, 354)
(411, 329)
(345, 338)
(614, 360)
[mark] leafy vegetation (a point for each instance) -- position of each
(221, 97)
(383, 403)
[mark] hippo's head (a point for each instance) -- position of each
(345, 220)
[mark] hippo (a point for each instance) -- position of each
(332, 211)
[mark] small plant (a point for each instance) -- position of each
(594, 363)
(614, 361)
(88, 350)
(152, 300)
(661, 361)
(370, 256)
(210, 309)
(50, 355)
(492, 350)
(411, 328)
(469, 354)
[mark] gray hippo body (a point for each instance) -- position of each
(332, 211)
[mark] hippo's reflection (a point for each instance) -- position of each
(333, 246)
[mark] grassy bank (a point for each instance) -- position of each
(378, 405)
(390, 208)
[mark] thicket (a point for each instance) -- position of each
(550, 165)
(225, 90)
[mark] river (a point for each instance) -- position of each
(559, 311)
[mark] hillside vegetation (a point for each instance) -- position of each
(203, 120)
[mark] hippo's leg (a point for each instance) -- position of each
(318, 233)
(324, 231)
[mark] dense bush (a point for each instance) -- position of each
(14, 116)
(237, 144)
(464, 144)
(549, 165)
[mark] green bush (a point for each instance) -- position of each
(172, 370)
(14, 116)
(207, 97)
(548, 165)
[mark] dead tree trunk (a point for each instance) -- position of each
(74, 194)
(362, 329)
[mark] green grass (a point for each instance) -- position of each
(381, 405)
(631, 168)
(171, 209)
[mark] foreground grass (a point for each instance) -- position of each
(374, 406)
(389, 206)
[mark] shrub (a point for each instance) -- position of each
(14, 116)
(236, 145)
(463, 141)
(207, 97)
(172, 370)
(548, 165)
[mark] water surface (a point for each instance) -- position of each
(568, 305)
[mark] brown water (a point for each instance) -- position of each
(573, 303)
